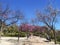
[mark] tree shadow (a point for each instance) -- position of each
(46, 41)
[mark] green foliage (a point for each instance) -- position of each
(13, 31)
(58, 38)
(36, 34)
(22, 34)
(39, 34)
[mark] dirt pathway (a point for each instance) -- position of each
(23, 41)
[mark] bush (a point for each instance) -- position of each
(11, 34)
(36, 34)
(58, 38)
(21, 34)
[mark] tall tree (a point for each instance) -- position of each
(49, 18)
(9, 17)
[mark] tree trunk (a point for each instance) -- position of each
(18, 36)
(0, 28)
(0, 32)
(54, 36)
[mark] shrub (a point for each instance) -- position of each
(22, 34)
(14, 34)
(36, 34)
(58, 38)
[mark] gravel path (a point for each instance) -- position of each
(23, 41)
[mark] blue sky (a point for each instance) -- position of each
(28, 7)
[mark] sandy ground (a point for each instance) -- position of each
(24, 41)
